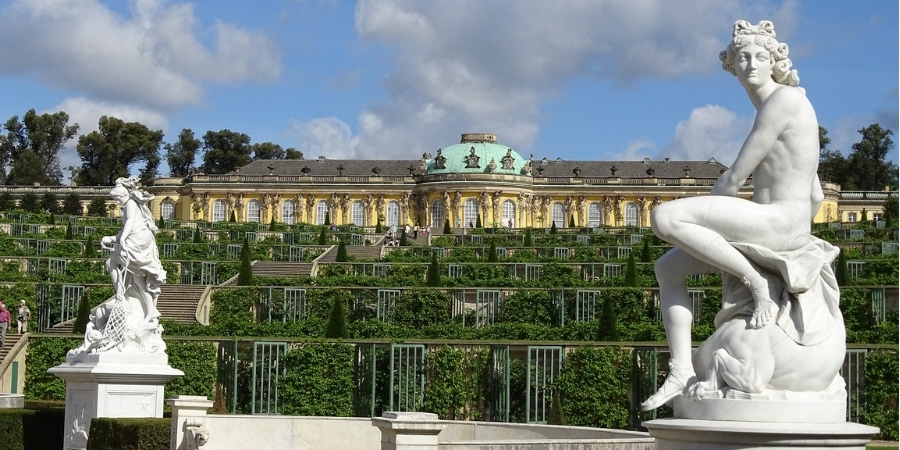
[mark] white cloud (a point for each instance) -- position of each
(637, 149)
(155, 58)
(490, 66)
(710, 131)
(329, 137)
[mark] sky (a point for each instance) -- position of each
(383, 79)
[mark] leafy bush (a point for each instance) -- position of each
(594, 385)
(319, 380)
(129, 434)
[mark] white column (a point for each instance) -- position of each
(188, 414)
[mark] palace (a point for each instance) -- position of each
(477, 179)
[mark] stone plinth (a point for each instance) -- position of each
(691, 434)
(188, 417)
(111, 384)
(409, 430)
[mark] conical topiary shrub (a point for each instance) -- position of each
(447, 229)
(337, 320)
(245, 275)
(433, 276)
(341, 252)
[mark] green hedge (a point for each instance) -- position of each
(28, 429)
(129, 434)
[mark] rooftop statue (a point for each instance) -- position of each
(129, 321)
(780, 297)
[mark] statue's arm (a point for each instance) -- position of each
(816, 196)
(771, 120)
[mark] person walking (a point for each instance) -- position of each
(23, 315)
(4, 323)
(416, 231)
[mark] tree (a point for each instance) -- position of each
(645, 252)
(478, 221)
(97, 207)
(433, 276)
(840, 271)
(29, 152)
(6, 201)
(867, 166)
(337, 320)
(553, 227)
(323, 238)
(293, 153)
(82, 316)
(609, 330)
(341, 252)
(404, 241)
(89, 250)
(233, 217)
(492, 252)
(70, 234)
(225, 150)
(109, 153)
(198, 236)
(527, 241)
(267, 150)
(50, 203)
(181, 154)
(447, 229)
(245, 275)
(72, 204)
(631, 275)
(831, 162)
(572, 221)
(30, 202)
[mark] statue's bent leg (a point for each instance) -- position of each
(671, 271)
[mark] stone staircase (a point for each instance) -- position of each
(360, 253)
(176, 302)
(11, 340)
(282, 269)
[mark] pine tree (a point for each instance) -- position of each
(272, 223)
(840, 272)
(69, 233)
(233, 217)
(327, 220)
(245, 275)
(337, 320)
(478, 221)
(341, 252)
(492, 252)
(323, 238)
(403, 240)
(572, 221)
(82, 316)
(378, 227)
(645, 252)
(198, 236)
(609, 330)
(553, 227)
(433, 276)
(89, 250)
(527, 242)
(447, 229)
(556, 416)
(631, 276)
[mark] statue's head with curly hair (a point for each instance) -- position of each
(762, 34)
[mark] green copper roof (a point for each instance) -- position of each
(477, 153)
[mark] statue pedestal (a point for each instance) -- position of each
(111, 384)
(731, 424)
(691, 434)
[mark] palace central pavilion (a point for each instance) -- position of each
(476, 180)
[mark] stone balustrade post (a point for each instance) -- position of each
(409, 430)
(188, 411)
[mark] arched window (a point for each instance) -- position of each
(167, 210)
(470, 212)
(509, 214)
(253, 211)
(559, 215)
(437, 214)
(595, 215)
(218, 212)
(358, 213)
(631, 215)
(322, 211)
(393, 213)
(287, 212)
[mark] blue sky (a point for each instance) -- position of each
(596, 79)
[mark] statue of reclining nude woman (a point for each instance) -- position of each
(780, 328)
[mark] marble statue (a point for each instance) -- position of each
(780, 333)
(129, 321)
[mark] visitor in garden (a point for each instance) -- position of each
(23, 315)
(4, 323)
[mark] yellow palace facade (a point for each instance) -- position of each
(475, 180)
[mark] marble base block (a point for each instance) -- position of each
(111, 385)
(690, 434)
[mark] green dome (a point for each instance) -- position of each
(474, 154)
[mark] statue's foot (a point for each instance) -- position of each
(765, 308)
(680, 376)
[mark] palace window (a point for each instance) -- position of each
(322, 211)
(218, 211)
(167, 209)
(358, 213)
(595, 215)
(253, 211)
(509, 213)
(631, 215)
(437, 214)
(470, 212)
(559, 215)
(287, 212)
(392, 213)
